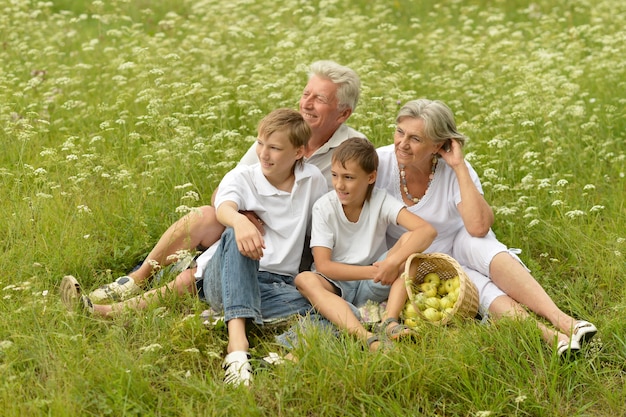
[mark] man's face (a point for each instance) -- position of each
(320, 108)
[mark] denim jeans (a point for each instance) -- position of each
(233, 282)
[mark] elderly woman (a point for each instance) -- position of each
(426, 169)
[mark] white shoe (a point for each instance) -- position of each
(583, 332)
(564, 348)
(118, 290)
(237, 368)
(71, 294)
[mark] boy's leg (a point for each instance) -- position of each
(230, 280)
(322, 295)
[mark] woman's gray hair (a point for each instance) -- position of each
(349, 84)
(439, 124)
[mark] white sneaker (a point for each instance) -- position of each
(71, 295)
(118, 290)
(237, 368)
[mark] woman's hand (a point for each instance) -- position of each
(454, 155)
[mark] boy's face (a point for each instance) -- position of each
(277, 155)
(351, 183)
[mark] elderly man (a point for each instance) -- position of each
(328, 100)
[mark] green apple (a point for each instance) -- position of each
(456, 281)
(409, 311)
(432, 277)
(432, 315)
(420, 300)
(446, 302)
(449, 283)
(412, 323)
(433, 302)
(442, 289)
(429, 289)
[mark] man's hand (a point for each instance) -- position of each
(255, 220)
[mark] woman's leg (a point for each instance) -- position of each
(505, 306)
(515, 280)
(490, 257)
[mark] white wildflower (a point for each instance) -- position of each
(574, 213)
(151, 348)
(533, 223)
(83, 209)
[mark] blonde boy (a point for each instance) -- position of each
(249, 275)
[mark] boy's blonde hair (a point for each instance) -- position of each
(362, 152)
(289, 120)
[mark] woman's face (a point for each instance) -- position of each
(412, 147)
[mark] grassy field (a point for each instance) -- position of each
(117, 117)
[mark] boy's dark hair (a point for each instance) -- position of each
(362, 152)
(289, 120)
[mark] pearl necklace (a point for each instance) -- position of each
(405, 188)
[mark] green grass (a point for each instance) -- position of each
(117, 117)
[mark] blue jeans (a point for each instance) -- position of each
(233, 282)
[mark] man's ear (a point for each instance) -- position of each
(344, 115)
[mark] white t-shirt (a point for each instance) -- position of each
(321, 158)
(360, 243)
(438, 206)
(285, 215)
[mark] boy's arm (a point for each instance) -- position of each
(337, 270)
(420, 234)
(249, 240)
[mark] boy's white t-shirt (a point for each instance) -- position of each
(360, 243)
(285, 215)
(438, 207)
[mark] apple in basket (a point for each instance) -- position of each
(420, 300)
(412, 323)
(410, 312)
(449, 285)
(432, 277)
(432, 314)
(429, 289)
(433, 302)
(446, 302)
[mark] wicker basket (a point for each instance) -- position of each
(419, 265)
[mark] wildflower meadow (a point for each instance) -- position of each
(117, 117)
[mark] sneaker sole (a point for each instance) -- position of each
(70, 291)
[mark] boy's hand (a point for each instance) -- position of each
(386, 273)
(249, 239)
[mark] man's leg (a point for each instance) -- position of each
(197, 228)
